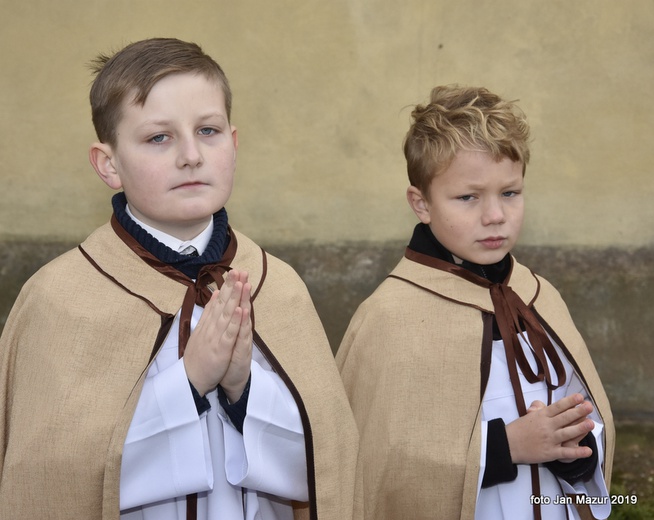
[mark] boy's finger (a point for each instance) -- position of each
(242, 276)
(225, 291)
(578, 452)
(205, 317)
(573, 442)
(573, 415)
(228, 337)
(245, 296)
(233, 302)
(243, 345)
(576, 431)
(564, 404)
(218, 313)
(216, 303)
(536, 405)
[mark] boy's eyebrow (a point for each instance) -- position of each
(211, 115)
(472, 187)
(480, 187)
(166, 122)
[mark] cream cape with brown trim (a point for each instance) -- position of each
(73, 356)
(410, 361)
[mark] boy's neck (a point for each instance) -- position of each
(199, 241)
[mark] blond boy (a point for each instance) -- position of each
(474, 394)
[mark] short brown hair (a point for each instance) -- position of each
(135, 69)
(462, 118)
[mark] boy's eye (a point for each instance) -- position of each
(466, 198)
(158, 138)
(509, 193)
(207, 131)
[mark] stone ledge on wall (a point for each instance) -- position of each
(608, 292)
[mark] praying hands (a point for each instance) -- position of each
(219, 350)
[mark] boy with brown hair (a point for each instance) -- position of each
(169, 368)
(474, 394)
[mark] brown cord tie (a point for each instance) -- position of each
(512, 315)
(199, 293)
(514, 319)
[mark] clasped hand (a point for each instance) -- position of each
(553, 432)
(219, 351)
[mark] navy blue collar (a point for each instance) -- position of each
(189, 265)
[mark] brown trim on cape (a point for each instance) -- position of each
(264, 273)
(435, 293)
(573, 362)
(107, 275)
(164, 330)
(486, 352)
(166, 269)
(304, 415)
(565, 350)
(442, 265)
(461, 272)
(166, 319)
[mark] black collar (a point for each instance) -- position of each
(423, 241)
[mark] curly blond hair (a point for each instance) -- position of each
(462, 118)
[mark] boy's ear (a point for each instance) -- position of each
(419, 204)
(101, 158)
(235, 139)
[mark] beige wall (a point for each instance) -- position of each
(321, 95)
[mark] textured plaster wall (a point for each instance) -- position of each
(322, 95)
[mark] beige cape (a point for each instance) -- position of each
(73, 357)
(411, 364)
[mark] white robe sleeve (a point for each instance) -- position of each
(596, 486)
(270, 455)
(168, 448)
(166, 452)
(484, 451)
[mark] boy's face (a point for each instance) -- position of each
(175, 156)
(475, 206)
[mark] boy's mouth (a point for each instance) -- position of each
(193, 184)
(493, 242)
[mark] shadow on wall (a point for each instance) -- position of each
(608, 292)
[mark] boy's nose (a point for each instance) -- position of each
(189, 154)
(493, 213)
